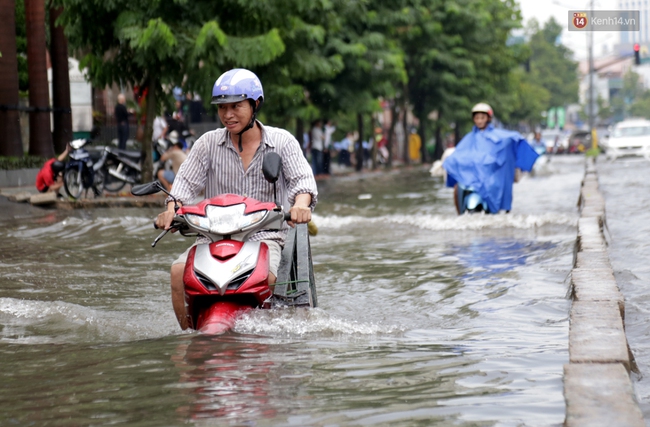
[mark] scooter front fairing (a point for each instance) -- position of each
(225, 271)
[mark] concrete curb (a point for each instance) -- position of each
(597, 386)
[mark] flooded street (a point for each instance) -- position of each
(625, 185)
(425, 318)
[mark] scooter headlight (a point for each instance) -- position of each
(225, 219)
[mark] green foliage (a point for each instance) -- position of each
(551, 65)
(632, 100)
(25, 162)
(456, 53)
(250, 52)
(528, 99)
(330, 58)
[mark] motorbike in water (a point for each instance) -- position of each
(229, 276)
(470, 201)
(81, 173)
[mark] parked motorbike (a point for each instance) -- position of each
(81, 173)
(119, 167)
(189, 139)
(229, 276)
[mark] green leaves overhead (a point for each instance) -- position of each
(209, 37)
(320, 57)
(250, 52)
(155, 40)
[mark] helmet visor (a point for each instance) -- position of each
(228, 99)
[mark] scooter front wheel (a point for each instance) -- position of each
(73, 183)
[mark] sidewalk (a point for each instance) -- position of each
(15, 200)
(17, 187)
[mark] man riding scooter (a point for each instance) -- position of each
(229, 160)
(483, 167)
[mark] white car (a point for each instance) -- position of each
(628, 138)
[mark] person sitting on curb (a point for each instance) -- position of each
(50, 177)
(177, 156)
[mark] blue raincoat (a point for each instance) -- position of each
(486, 160)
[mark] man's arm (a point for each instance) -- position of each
(63, 155)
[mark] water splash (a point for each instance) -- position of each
(446, 223)
(304, 322)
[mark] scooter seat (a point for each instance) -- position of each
(133, 155)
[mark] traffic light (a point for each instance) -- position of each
(637, 55)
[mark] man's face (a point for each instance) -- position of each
(480, 120)
(235, 116)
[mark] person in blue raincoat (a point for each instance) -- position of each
(485, 163)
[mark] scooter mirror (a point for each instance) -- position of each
(271, 166)
(146, 189)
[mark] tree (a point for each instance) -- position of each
(10, 139)
(373, 66)
(456, 55)
(62, 113)
(551, 66)
(40, 138)
(631, 100)
(527, 99)
(153, 44)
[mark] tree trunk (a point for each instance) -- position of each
(359, 150)
(423, 126)
(10, 139)
(147, 158)
(40, 136)
(62, 133)
(407, 145)
(437, 153)
(419, 111)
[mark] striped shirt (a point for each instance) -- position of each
(214, 166)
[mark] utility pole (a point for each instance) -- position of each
(590, 42)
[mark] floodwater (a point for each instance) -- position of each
(425, 318)
(625, 184)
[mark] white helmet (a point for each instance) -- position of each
(173, 136)
(482, 107)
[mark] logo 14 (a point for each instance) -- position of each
(580, 20)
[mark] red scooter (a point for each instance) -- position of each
(229, 276)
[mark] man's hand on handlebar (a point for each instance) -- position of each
(164, 220)
(300, 211)
(299, 215)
